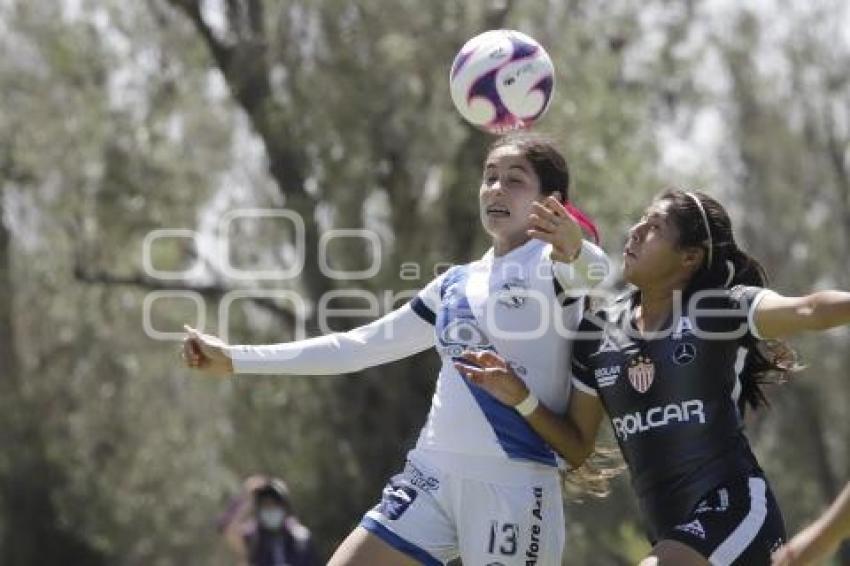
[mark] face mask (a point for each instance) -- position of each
(272, 519)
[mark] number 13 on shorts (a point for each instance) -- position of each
(503, 538)
(524, 527)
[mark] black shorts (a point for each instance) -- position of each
(736, 523)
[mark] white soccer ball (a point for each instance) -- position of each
(502, 80)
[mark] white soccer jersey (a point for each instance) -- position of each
(507, 304)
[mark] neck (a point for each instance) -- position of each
(502, 246)
(655, 307)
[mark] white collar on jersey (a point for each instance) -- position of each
(516, 254)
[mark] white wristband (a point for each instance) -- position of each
(528, 405)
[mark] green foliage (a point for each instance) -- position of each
(124, 117)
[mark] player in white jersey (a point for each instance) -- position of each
(480, 483)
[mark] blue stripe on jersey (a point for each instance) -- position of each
(398, 543)
(420, 308)
(514, 434)
(455, 275)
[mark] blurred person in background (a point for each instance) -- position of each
(261, 529)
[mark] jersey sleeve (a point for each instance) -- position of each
(583, 378)
(731, 312)
(427, 302)
(590, 268)
(397, 335)
(748, 299)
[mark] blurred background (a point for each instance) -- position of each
(119, 119)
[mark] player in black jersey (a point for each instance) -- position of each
(673, 364)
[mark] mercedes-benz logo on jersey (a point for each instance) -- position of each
(641, 373)
(513, 293)
(685, 353)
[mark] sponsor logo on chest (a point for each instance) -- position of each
(630, 424)
(607, 376)
(684, 353)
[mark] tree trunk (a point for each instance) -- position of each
(31, 533)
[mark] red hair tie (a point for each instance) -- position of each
(584, 221)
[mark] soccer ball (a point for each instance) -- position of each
(502, 80)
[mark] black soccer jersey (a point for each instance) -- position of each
(672, 396)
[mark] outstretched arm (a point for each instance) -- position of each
(397, 335)
(776, 316)
(573, 435)
(820, 539)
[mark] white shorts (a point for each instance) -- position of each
(487, 511)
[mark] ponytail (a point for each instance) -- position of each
(703, 222)
(767, 361)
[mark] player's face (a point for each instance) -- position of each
(652, 256)
(508, 188)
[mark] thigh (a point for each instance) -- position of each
(362, 548)
(738, 523)
(511, 525)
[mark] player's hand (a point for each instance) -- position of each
(551, 222)
(206, 353)
(255, 482)
(493, 374)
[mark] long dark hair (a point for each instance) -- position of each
(551, 168)
(702, 222)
